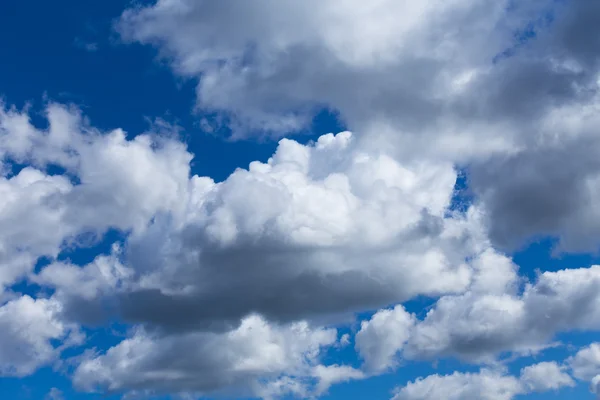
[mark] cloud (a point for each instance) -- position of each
(332, 374)
(207, 260)
(248, 360)
(303, 236)
(534, 193)
(103, 181)
(486, 385)
(545, 376)
(478, 327)
(383, 336)
(482, 324)
(586, 363)
(29, 329)
(508, 89)
(285, 59)
(230, 287)
(313, 219)
(55, 394)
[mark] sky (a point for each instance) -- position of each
(275, 199)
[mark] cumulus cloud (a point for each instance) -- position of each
(29, 330)
(586, 363)
(404, 59)
(545, 376)
(486, 384)
(383, 336)
(250, 359)
(304, 235)
(108, 182)
(230, 287)
(478, 327)
(505, 87)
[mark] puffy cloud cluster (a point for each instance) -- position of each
(317, 233)
(478, 326)
(108, 182)
(508, 88)
(240, 360)
(317, 230)
(586, 366)
(487, 384)
(234, 287)
(398, 61)
(29, 330)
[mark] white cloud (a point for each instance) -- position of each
(545, 376)
(383, 336)
(478, 327)
(202, 256)
(404, 58)
(215, 277)
(486, 321)
(249, 359)
(332, 374)
(486, 384)
(119, 183)
(450, 80)
(586, 363)
(28, 328)
(89, 282)
(313, 219)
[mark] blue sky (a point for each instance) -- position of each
(333, 232)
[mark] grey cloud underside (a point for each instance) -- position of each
(550, 191)
(282, 283)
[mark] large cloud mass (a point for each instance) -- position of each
(459, 80)
(238, 287)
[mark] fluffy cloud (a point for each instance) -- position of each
(486, 385)
(227, 285)
(314, 220)
(29, 329)
(108, 182)
(250, 359)
(508, 88)
(404, 59)
(586, 363)
(545, 376)
(487, 320)
(478, 327)
(383, 336)
(306, 234)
